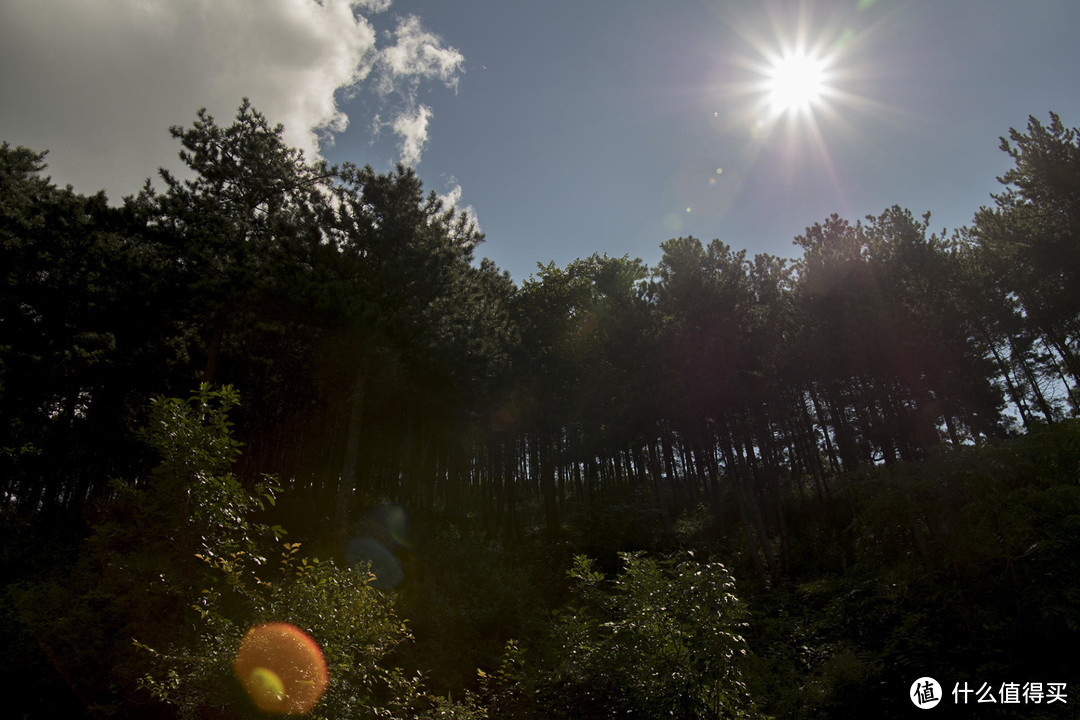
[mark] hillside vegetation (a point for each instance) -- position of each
(723, 486)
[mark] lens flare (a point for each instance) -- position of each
(396, 521)
(265, 687)
(366, 551)
(281, 668)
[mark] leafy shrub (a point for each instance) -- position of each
(663, 639)
(176, 572)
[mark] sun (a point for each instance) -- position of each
(795, 82)
(797, 71)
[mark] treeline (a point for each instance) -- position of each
(379, 360)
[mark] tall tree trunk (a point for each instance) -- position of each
(213, 348)
(347, 480)
(805, 432)
(846, 442)
(741, 503)
(1040, 399)
(669, 462)
(834, 459)
(1017, 397)
(749, 462)
(545, 467)
(1062, 347)
(652, 453)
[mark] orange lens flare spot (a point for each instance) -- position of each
(281, 668)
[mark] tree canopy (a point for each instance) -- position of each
(382, 362)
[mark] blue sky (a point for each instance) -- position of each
(595, 125)
(568, 127)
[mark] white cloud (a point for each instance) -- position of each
(373, 6)
(99, 82)
(452, 199)
(417, 55)
(412, 127)
(452, 196)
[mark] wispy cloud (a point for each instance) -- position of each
(416, 55)
(99, 82)
(373, 6)
(412, 128)
(452, 199)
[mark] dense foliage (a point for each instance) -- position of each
(664, 640)
(873, 437)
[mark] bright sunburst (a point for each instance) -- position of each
(795, 81)
(797, 67)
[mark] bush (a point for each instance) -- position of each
(663, 639)
(178, 570)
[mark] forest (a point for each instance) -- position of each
(277, 391)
